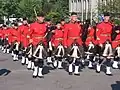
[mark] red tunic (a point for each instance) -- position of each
(1, 33)
(72, 31)
(103, 32)
(63, 26)
(14, 35)
(37, 32)
(57, 37)
(7, 34)
(24, 31)
(90, 36)
(116, 42)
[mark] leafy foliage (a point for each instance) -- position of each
(54, 9)
(110, 6)
(113, 7)
(54, 16)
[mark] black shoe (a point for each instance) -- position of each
(70, 73)
(90, 67)
(48, 63)
(60, 68)
(29, 68)
(23, 63)
(115, 68)
(41, 76)
(109, 74)
(97, 71)
(34, 76)
(15, 60)
(77, 74)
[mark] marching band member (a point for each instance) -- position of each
(90, 33)
(15, 41)
(24, 31)
(5, 37)
(8, 39)
(57, 39)
(89, 40)
(103, 33)
(37, 34)
(73, 32)
(50, 27)
(116, 46)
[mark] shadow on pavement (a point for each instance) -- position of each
(4, 72)
(46, 70)
(116, 86)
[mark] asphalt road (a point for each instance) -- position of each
(14, 76)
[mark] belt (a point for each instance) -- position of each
(90, 36)
(74, 37)
(39, 37)
(58, 39)
(105, 35)
(14, 37)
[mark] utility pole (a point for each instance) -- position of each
(91, 12)
(82, 9)
(86, 8)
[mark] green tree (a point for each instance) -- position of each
(25, 8)
(61, 6)
(111, 6)
(9, 7)
(54, 16)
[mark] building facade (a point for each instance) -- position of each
(86, 8)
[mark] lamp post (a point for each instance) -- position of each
(82, 8)
(86, 9)
(91, 11)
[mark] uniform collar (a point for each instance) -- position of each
(40, 22)
(73, 22)
(106, 22)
